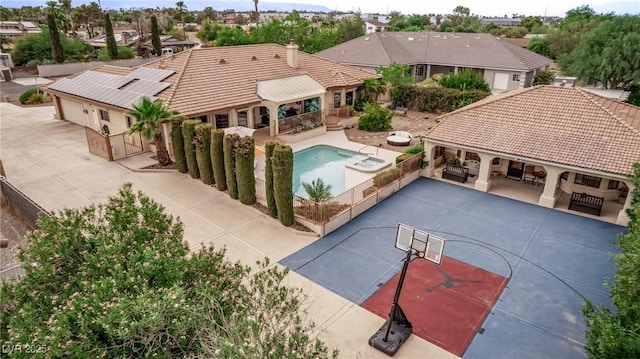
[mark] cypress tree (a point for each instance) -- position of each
(112, 47)
(282, 164)
(245, 176)
(203, 152)
(188, 133)
(230, 163)
(217, 159)
(177, 142)
(57, 51)
(268, 178)
(155, 35)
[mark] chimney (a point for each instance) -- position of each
(292, 54)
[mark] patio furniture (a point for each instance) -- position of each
(473, 166)
(586, 203)
(529, 174)
(455, 173)
(540, 176)
(399, 138)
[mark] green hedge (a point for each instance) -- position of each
(434, 99)
(245, 155)
(384, 178)
(203, 152)
(25, 95)
(217, 159)
(268, 178)
(403, 157)
(188, 133)
(228, 145)
(177, 143)
(282, 164)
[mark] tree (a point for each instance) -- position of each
(117, 280)
(351, 28)
(112, 46)
(543, 77)
(217, 159)
(459, 13)
(208, 31)
(569, 32)
(228, 146)
(36, 48)
(610, 335)
(189, 136)
(203, 152)
(57, 51)
(540, 46)
(149, 118)
(245, 176)
(282, 165)
(177, 142)
(375, 118)
(256, 14)
(372, 88)
(88, 15)
(155, 35)
(181, 7)
(613, 63)
(124, 52)
(268, 178)
(396, 74)
(231, 36)
(530, 22)
(317, 190)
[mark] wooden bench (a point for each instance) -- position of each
(455, 173)
(586, 203)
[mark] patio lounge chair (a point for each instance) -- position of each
(399, 138)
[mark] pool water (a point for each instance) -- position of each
(322, 161)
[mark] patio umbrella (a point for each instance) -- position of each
(240, 130)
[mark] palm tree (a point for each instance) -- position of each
(181, 7)
(317, 190)
(257, 15)
(373, 88)
(150, 115)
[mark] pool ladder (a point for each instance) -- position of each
(365, 146)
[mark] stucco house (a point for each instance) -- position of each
(276, 88)
(15, 29)
(503, 65)
(568, 140)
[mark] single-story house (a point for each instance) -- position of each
(130, 38)
(256, 86)
(503, 65)
(15, 29)
(568, 140)
(374, 26)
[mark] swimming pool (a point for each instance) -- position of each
(322, 161)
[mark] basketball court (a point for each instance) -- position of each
(511, 283)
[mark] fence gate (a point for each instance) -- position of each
(98, 144)
(132, 143)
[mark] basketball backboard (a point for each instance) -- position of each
(423, 244)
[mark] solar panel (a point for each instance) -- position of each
(146, 73)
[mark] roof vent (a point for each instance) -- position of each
(253, 58)
(366, 39)
(161, 65)
(221, 61)
(411, 39)
(276, 56)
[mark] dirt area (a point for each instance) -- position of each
(417, 123)
(14, 229)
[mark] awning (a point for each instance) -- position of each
(289, 89)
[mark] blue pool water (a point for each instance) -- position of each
(322, 161)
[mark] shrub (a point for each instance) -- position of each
(465, 80)
(124, 52)
(203, 152)
(414, 150)
(177, 143)
(317, 190)
(245, 176)
(403, 157)
(188, 133)
(434, 99)
(217, 159)
(282, 164)
(543, 77)
(268, 178)
(25, 95)
(228, 145)
(384, 178)
(35, 98)
(376, 118)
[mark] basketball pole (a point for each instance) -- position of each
(396, 311)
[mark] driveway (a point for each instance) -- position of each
(552, 260)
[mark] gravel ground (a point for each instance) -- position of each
(414, 122)
(14, 229)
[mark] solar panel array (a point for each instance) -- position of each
(116, 90)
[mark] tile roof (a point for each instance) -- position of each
(438, 48)
(568, 126)
(216, 78)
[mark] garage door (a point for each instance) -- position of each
(500, 81)
(73, 111)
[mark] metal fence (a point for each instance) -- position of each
(24, 206)
(325, 217)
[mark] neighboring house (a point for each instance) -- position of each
(174, 43)
(130, 38)
(501, 21)
(14, 29)
(504, 66)
(256, 86)
(580, 142)
(124, 38)
(374, 26)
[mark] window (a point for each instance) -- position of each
(439, 151)
(104, 115)
(420, 71)
(203, 118)
(589, 181)
(130, 121)
(565, 176)
(242, 118)
(337, 97)
(496, 161)
(613, 184)
(222, 121)
(349, 98)
(516, 77)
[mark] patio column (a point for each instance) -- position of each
(548, 196)
(273, 119)
(233, 118)
(429, 149)
(428, 70)
(623, 217)
(322, 104)
(483, 183)
(250, 118)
